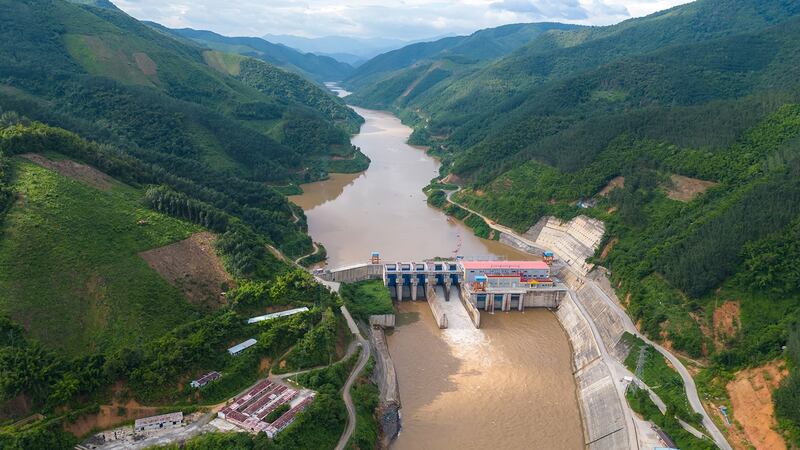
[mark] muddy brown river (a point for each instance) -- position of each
(508, 385)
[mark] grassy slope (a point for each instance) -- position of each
(70, 272)
(319, 68)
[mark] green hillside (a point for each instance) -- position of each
(70, 272)
(315, 67)
(82, 315)
(396, 77)
(113, 79)
(693, 112)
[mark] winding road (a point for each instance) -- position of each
(688, 381)
(348, 400)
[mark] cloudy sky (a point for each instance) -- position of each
(398, 19)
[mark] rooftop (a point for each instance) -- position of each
(522, 265)
(171, 417)
(239, 347)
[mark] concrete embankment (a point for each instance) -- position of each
(603, 417)
(436, 297)
(573, 241)
(385, 377)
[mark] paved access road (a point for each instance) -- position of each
(348, 400)
(688, 381)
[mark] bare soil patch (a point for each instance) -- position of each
(726, 322)
(616, 182)
(609, 246)
(452, 179)
(146, 65)
(684, 189)
(193, 266)
(74, 170)
(18, 406)
(751, 398)
(109, 416)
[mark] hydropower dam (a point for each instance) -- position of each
(508, 383)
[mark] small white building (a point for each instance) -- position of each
(164, 421)
(289, 312)
(239, 348)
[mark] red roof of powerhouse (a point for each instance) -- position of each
(522, 265)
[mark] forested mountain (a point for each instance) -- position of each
(316, 67)
(485, 44)
(680, 130)
(141, 88)
(138, 228)
(437, 60)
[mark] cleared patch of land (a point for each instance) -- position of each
(145, 64)
(70, 272)
(616, 182)
(751, 398)
(684, 189)
(193, 266)
(74, 170)
(726, 322)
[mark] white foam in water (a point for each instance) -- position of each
(465, 341)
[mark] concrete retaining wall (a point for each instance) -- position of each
(513, 241)
(572, 241)
(603, 417)
(472, 311)
(549, 298)
(351, 274)
(385, 377)
(433, 302)
(382, 320)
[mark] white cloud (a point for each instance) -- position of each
(400, 19)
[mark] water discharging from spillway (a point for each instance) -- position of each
(508, 385)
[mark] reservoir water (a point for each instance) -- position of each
(508, 385)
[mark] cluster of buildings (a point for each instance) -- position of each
(250, 410)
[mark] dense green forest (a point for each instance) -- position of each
(115, 80)
(705, 94)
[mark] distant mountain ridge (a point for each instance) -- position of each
(316, 67)
(386, 77)
(343, 48)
